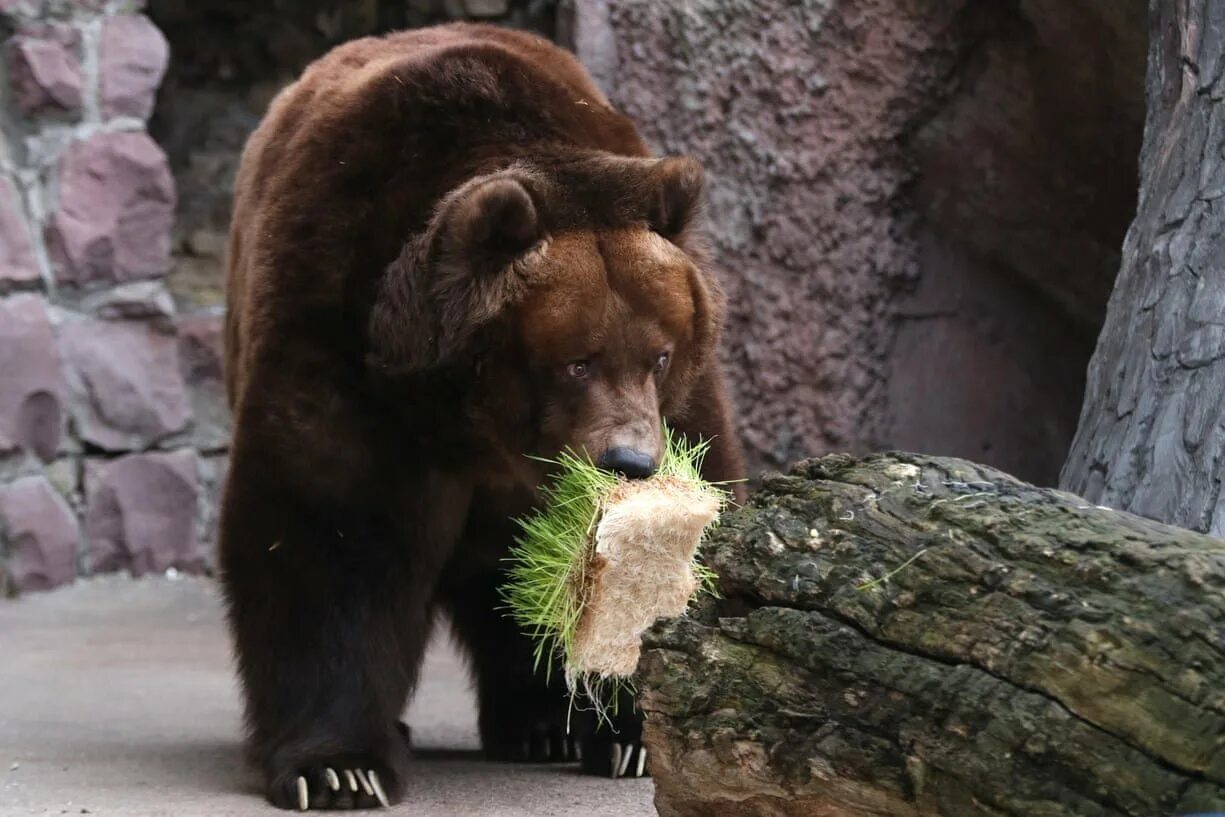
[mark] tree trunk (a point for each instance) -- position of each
(1150, 437)
(904, 635)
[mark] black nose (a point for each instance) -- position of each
(627, 461)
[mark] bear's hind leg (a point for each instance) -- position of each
(613, 747)
(522, 716)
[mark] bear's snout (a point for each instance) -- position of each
(627, 461)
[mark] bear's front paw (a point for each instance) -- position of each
(342, 782)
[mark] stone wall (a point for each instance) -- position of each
(112, 420)
(916, 205)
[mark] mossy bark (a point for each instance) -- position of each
(1028, 654)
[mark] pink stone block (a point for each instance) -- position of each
(31, 395)
(126, 390)
(40, 534)
(116, 209)
(132, 62)
(44, 71)
(141, 513)
(201, 347)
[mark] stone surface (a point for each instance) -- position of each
(39, 533)
(200, 359)
(486, 8)
(96, 200)
(213, 473)
(210, 419)
(877, 172)
(585, 26)
(18, 266)
(1031, 167)
(31, 383)
(127, 390)
(970, 372)
(807, 175)
(141, 513)
(131, 63)
(44, 72)
(137, 299)
(64, 474)
(116, 209)
(201, 344)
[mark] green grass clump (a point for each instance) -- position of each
(546, 585)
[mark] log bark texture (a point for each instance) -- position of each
(1150, 438)
(906, 635)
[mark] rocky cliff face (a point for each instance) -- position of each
(916, 206)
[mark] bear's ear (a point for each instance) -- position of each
(678, 182)
(457, 277)
(488, 224)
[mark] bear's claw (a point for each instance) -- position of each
(622, 754)
(363, 780)
(378, 789)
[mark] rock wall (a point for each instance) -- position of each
(797, 110)
(1026, 181)
(112, 419)
(916, 206)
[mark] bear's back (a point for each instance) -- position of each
(351, 159)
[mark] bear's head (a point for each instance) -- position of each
(569, 298)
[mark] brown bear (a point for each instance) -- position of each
(450, 257)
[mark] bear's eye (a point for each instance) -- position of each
(661, 362)
(578, 369)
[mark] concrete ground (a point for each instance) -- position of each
(117, 698)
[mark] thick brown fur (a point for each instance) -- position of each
(448, 255)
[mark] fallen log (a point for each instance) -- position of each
(910, 635)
